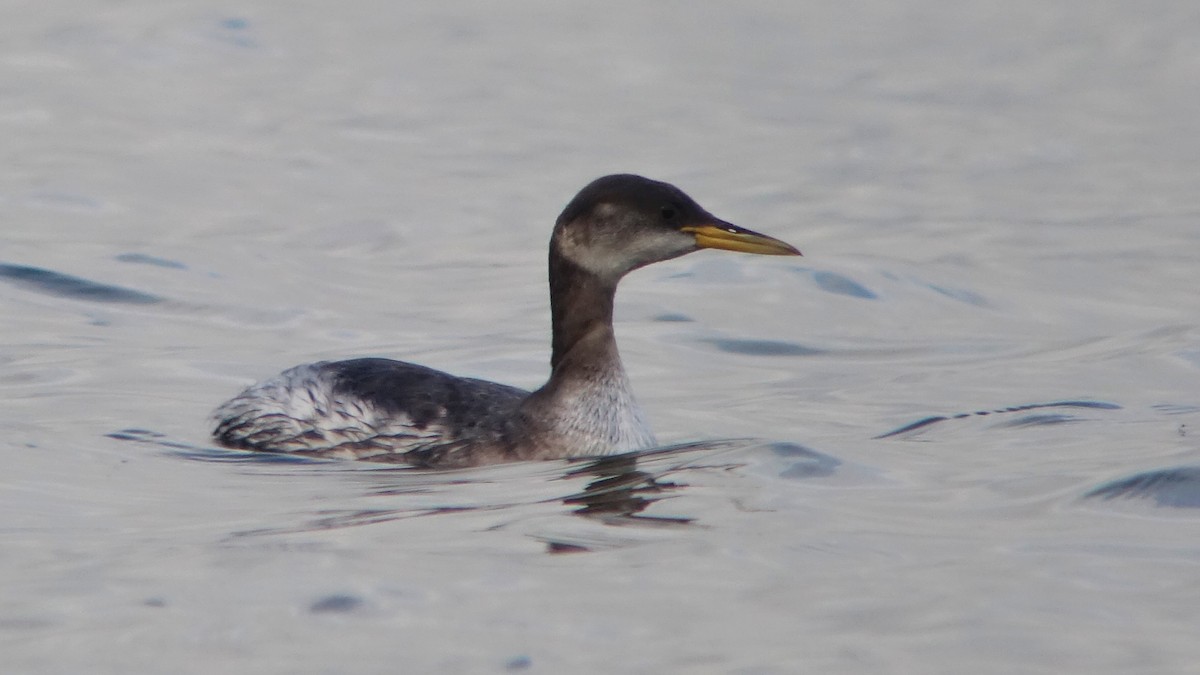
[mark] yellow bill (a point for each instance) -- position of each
(733, 238)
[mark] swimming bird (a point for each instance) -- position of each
(393, 411)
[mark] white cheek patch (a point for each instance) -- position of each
(597, 255)
(659, 245)
(610, 255)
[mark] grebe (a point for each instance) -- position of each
(391, 411)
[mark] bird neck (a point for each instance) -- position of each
(581, 308)
(587, 406)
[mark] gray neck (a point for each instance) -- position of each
(581, 307)
(587, 406)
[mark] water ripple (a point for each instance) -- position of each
(145, 259)
(1029, 420)
(1177, 487)
(842, 285)
(762, 347)
(72, 287)
(614, 492)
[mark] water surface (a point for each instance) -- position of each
(959, 435)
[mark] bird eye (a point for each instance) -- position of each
(668, 212)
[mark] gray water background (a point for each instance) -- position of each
(998, 207)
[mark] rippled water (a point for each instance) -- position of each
(960, 435)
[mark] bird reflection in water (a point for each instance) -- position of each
(617, 491)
